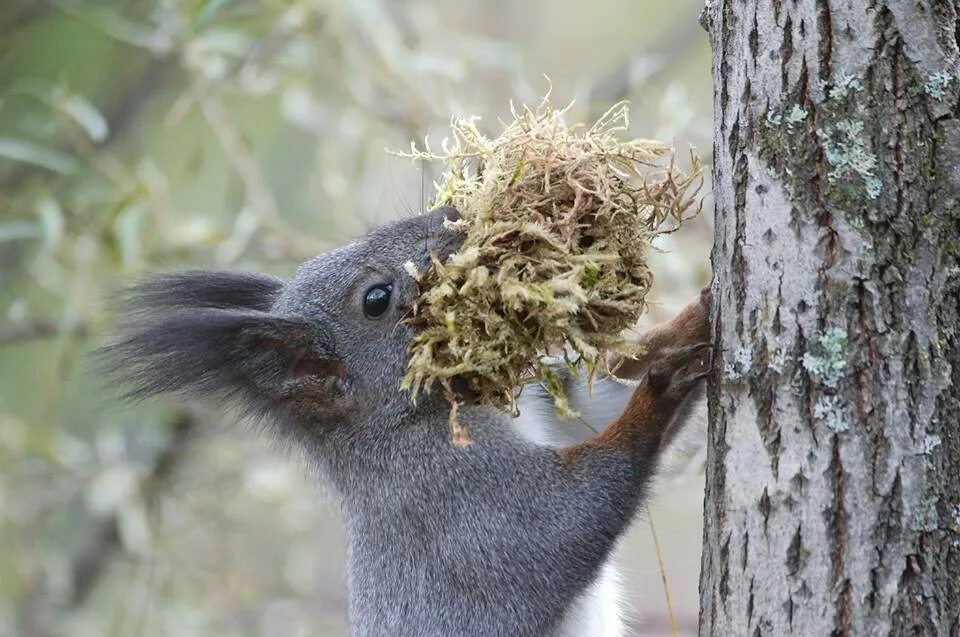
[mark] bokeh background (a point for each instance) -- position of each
(146, 135)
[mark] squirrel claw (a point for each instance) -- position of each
(680, 369)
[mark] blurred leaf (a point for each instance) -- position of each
(71, 451)
(229, 42)
(39, 124)
(51, 221)
(86, 115)
(74, 106)
(116, 26)
(134, 527)
(128, 199)
(13, 434)
(30, 153)
(16, 230)
(211, 51)
(244, 228)
(208, 10)
(127, 232)
(112, 487)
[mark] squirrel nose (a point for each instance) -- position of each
(449, 213)
(444, 241)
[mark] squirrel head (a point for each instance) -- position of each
(328, 346)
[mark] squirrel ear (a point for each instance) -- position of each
(203, 334)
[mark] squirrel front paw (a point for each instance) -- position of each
(691, 326)
(677, 370)
(678, 357)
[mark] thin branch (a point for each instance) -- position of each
(91, 562)
(259, 195)
(620, 84)
(21, 18)
(40, 608)
(23, 332)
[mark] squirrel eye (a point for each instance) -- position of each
(377, 300)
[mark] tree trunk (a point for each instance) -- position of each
(833, 477)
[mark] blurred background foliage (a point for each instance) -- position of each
(146, 135)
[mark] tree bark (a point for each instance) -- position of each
(833, 476)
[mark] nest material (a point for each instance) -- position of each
(558, 222)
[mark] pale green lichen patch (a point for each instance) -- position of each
(929, 443)
(843, 85)
(797, 136)
(845, 148)
(796, 114)
(558, 220)
(826, 361)
(926, 518)
(937, 85)
(829, 410)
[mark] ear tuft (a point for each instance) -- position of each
(212, 333)
(219, 289)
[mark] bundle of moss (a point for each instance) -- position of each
(558, 221)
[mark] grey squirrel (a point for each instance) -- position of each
(501, 537)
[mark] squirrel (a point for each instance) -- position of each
(504, 536)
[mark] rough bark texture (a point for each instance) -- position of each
(833, 478)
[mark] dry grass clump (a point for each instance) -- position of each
(558, 222)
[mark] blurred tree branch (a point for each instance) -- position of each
(90, 563)
(16, 18)
(10, 334)
(621, 82)
(259, 194)
(93, 559)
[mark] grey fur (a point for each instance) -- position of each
(496, 538)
